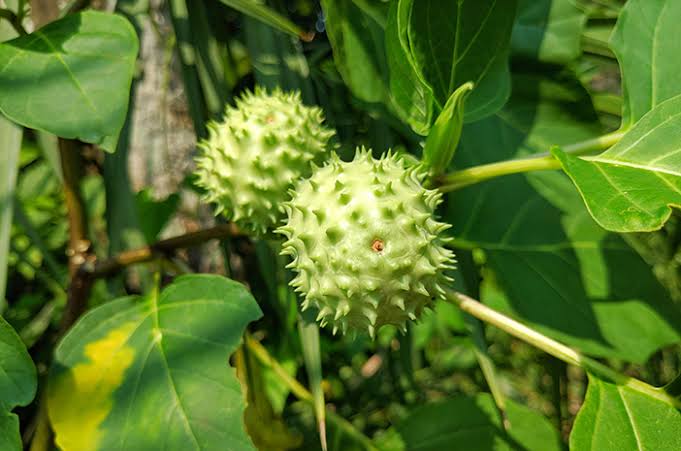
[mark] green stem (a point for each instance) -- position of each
(14, 20)
(554, 348)
(302, 393)
(544, 161)
(485, 361)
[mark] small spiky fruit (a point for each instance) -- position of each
(365, 245)
(251, 158)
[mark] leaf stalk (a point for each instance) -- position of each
(538, 162)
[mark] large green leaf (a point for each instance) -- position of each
(159, 361)
(646, 42)
(559, 271)
(18, 383)
(357, 39)
(410, 98)
(633, 185)
(72, 77)
(548, 30)
(616, 418)
(452, 43)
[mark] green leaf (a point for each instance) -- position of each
(410, 98)
(548, 30)
(633, 185)
(71, 78)
(266, 15)
(531, 429)
(159, 361)
(460, 423)
(452, 43)
(154, 214)
(559, 271)
(465, 423)
(10, 142)
(445, 133)
(357, 40)
(18, 383)
(309, 341)
(615, 418)
(645, 41)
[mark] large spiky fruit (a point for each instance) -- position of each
(251, 158)
(365, 244)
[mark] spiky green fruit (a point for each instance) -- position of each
(365, 244)
(251, 158)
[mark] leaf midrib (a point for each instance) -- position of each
(58, 55)
(171, 381)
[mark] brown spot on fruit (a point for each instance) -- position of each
(377, 245)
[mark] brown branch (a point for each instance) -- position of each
(161, 248)
(79, 244)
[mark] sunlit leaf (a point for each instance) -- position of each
(633, 185)
(616, 418)
(646, 42)
(72, 77)
(548, 30)
(558, 270)
(159, 361)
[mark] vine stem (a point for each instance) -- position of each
(554, 348)
(302, 393)
(110, 266)
(538, 162)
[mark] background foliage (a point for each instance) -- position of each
(552, 125)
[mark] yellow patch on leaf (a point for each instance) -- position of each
(81, 398)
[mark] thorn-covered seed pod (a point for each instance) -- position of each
(251, 158)
(377, 257)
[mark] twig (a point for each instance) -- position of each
(554, 348)
(14, 20)
(79, 244)
(116, 263)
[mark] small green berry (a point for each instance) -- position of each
(365, 245)
(251, 158)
